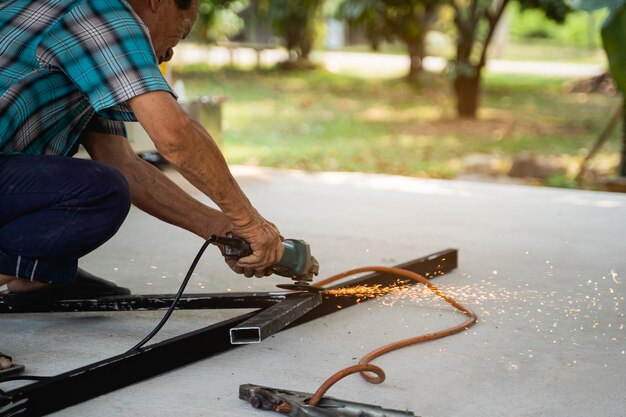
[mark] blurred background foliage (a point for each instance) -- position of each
(551, 21)
(579, 29)
(427, 128)
(218, 20)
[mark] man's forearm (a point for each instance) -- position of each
(152, 191)
(156, 194)
(197, 157)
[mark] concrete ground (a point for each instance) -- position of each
(543, 269)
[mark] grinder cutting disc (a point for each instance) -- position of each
(301, 286)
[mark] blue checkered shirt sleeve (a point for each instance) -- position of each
(67, 66)
(103, 47)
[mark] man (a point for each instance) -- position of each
(71, 71)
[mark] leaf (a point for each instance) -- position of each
(591, 5)
(613, 36)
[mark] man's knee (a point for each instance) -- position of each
(59, 208)
(109, 188)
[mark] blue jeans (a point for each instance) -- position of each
(54, 210)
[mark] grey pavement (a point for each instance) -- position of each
(543, 268)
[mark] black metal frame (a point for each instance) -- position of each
(99, 378)
(202, 301)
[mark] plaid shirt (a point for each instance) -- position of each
(67, 66)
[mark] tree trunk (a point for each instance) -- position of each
(415, 68)
(467, 90)
(291, 43)
(415, 49)
(306, 43)
(622, 164)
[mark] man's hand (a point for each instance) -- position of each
(267, 249)
(262, 241)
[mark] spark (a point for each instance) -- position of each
(512, 367)
(559, 317)
(615, 277)
(362, 292)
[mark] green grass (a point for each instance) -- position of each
(527, 50)
(539, 50)
(316, 120)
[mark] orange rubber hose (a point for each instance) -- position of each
(364, 366)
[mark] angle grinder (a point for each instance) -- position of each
(296, 263)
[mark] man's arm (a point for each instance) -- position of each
(185, 144)
(188, 146)
(152, 191)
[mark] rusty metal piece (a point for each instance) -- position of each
(295, 403)
(284, 408)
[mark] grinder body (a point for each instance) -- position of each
(297, 262)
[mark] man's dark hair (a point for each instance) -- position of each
(183, 4)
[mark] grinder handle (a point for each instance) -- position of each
(296, 263)
(233, 245)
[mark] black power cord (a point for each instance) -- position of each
(183, 285)
(166, 316)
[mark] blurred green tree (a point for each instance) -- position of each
(475, 22)
(295, 21)
(218, 20)
(390, 20)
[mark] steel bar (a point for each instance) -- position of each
(150, 302)
(90, 381)
(274, 318)
(430, 266)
